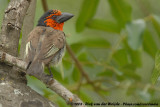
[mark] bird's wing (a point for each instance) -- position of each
(49, 43)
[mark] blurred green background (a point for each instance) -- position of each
(116, 42)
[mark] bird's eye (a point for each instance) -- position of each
(54, 16)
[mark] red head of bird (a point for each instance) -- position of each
(54, 19)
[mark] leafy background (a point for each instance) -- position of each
(117, 43)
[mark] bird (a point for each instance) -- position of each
(46, 43)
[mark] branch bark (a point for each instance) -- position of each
(11, 26)
(52, 84)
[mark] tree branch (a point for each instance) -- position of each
(45, 6)
(11, 26)
(52, 84)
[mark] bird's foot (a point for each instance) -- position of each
(48, 79)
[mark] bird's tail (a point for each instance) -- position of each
(36, 69)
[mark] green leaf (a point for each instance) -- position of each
(61, 102)
(57, 75)
(97, 42)
(107, 73)
(156, 23)
(121, 57)
(129, 73)
(121, 11)
(144, 95)
(68, 67)
(134, 55)
(156, 71)
(103, 25)
(88, 10)
(83, 56)
(61, 69)
(110, 72)
(131, 90)
(76, 75)
(118, 72)
(85, 96)
(149, 44)
(130, 67)
(38, 86)
(135, 31)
